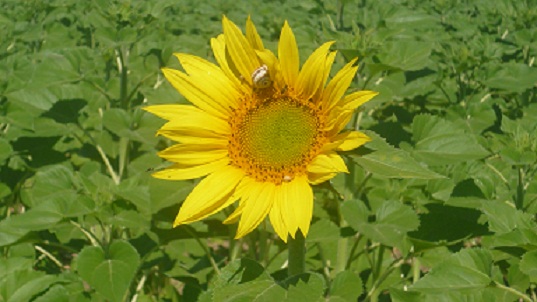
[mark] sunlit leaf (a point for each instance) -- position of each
(110, 272)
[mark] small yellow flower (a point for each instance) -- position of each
(261, 130)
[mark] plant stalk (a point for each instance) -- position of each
(297, 254)
(519, 201)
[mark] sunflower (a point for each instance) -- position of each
(260, 130)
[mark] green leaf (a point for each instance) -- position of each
(468, 270)
(518, 279)
(394, 220)
(396, 213)
(246, 292)
(33, 288)
(240, 271)
(346, 285)
(53, 198)
(305, 287)
(392, 163)
(525, 238)
(42, 99)
(117, 121)
(512, 77)
(482, 295)
(323, 230)
(130, 219)
(400, 295)
(49, 182)
(528, 264)
(242, 280)
(5, 150)
(440, 189)
(406, 55)
(57, 293)
(440, 142)
(110, 272)
(10, 265)
(504, 218)
(355, 213)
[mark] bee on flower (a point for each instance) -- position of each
(260, 130)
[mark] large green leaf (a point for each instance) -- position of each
(32, 288)
(110, 272)
(406, 55)
(355, 212)
(251, 291)
(5, 150)
(305, 287)
(242, 280)
(440, 142)
(523, 238)
(347, 286)
(468, 270)
(528, 264)
(393, 221)
(513, 77)
(323, 230)
(503, 218)
(390, 162)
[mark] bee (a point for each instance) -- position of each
(261, 77)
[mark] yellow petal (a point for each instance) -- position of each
(240, 51)
(211, 79)
(354, 100)
(195, 94)
(350, 140)
(189, 121)
(193, 154)
(288, 199)
(218, 45)
(276, 215)
(310, 78)
(326, 72)
(181, 172)
(305, 203)
(317, 178)
(258, 203)
(297, 205)
(234, 217)
(338, 85)
(252, 36)
(327, 163)
(194, 136)
(240, 193)
(168, 111)
(211, 195)
(192, 118)
(337, 120)
(288, 55)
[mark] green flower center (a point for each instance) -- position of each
(278, 133)
(274, 139)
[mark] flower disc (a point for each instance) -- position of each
(274, 139)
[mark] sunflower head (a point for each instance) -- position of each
(260, 129)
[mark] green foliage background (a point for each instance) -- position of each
(440, 206)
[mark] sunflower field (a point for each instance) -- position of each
(310, 150)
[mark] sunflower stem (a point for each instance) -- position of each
(519, 199)
(297, 254)
(263, 246)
